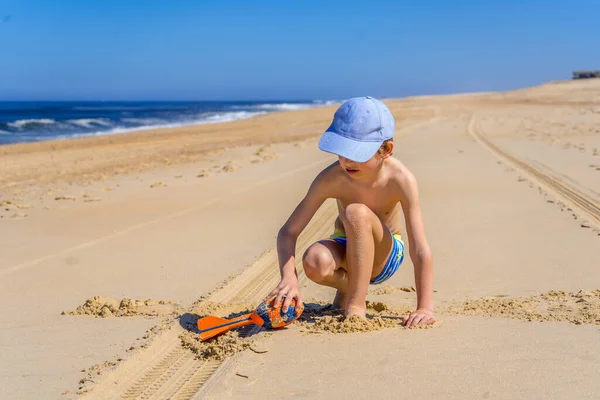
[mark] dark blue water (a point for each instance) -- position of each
(37, 121)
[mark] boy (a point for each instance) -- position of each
(371, 189)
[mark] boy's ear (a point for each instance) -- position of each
(387, 149)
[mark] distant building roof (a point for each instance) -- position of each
(586, 74)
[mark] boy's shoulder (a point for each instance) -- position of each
(329, 177)
(331, 172)
(401, 179)
(398, 172)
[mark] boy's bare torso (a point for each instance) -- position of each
(384, 196)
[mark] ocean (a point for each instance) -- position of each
(37, 121)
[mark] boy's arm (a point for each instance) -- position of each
(287, 237)
(420, 254)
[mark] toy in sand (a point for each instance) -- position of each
(266, 314)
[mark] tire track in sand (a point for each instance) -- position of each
(573, 197)
(166, 370)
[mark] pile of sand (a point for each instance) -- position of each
(91, 375)
(578, 308)
(217, 348)
(220, 347)
(221, 310)
(319, 318)
(341, 324)
(388, 289)
(100, 306)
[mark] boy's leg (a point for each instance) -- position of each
(369, 245)
(324, 263)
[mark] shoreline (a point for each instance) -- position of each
(72, 126)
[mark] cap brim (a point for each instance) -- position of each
(353, 150)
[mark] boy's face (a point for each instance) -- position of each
(361, 169)
(367, 169)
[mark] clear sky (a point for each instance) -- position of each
(288, 49)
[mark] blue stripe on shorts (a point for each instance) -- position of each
(393, 262)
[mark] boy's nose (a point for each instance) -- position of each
(346, 161)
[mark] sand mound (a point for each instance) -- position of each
(341, 324)
(383, 290)
(91, 375)
(222, 346)
(100, 306)
(391, 289)
(578, 308)
(217, 348)
(320, 317)
(221, 310)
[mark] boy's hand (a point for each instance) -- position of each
(419, 317)
(288, 288)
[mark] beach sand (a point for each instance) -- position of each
(112, 247)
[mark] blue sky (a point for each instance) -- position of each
(286, 49)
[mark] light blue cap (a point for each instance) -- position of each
(359, 127)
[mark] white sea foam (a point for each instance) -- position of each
(89, 122)
(144, 121)
(229, 116)
(105, 126)
(326, 102)
(282, 107)
(210, 119)
(24, 122)
(293, 106)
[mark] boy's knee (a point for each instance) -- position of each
(317, 262)
(357, 213)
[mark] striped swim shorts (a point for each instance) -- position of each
(393, 262)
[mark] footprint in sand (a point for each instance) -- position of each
(230, 167)
(158, 184)
(18, 216)
(7, 204)
(65, 198)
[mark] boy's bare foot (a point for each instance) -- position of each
(356, 311)
(339, 301)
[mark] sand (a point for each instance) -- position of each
(582, 307)
(322, 318)
(104, 307)
(510, 197)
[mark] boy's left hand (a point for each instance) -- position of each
(419, 317)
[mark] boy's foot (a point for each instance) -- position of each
(339, 301)
(356, 311)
